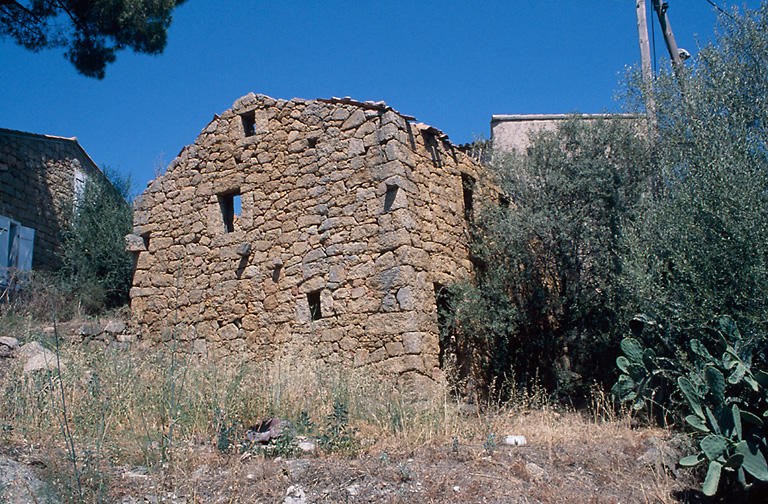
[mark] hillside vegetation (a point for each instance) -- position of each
(648, 240)
(629, 256)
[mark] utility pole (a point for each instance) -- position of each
(645, 62)
(642, 36)
(669, 37)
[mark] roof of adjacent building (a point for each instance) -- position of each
(556, 117)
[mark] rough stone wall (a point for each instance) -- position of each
(344, 202)
(37, 179)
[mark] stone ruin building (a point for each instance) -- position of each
(317, 227)
(41, 178)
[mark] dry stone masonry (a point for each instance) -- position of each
(317, 227)
(40, 178)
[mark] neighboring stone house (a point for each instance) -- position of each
(319, 227)
(511, 132)
(41, 176)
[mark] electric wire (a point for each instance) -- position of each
(653, 44)
(720, 9)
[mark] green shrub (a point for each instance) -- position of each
(95, 264)
(545, 303)
(699, 250)
(700, 247)
(338, 436)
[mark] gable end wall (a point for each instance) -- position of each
(313, 180)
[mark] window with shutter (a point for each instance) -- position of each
(78, 187)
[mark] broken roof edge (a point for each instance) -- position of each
(53, 138)
(559, 117)
(368, 104)
(346, 100)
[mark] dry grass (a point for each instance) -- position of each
(181, 421)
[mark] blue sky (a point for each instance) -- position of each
(450, 64)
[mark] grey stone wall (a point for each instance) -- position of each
(344, 203)
(36, 186)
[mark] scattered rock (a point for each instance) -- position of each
(115, 327)
(8, 345)
(353, 490)
(38, 358)
(514, 440)
(295, 468)
(267, 430)
(537, 472)
(41, 361)
(295, 495)
(19, 485)
(306, 445)
(30, 349)
(90, 330)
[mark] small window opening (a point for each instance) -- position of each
(503, 201)
(389, 198)
(145, 238)
(315, 311)
(468, 187)
(442, 301)
(312, 142)
(430, 142)
(230, 206)
(249, 122)
(276, 273)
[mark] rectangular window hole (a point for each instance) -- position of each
(312, 142)
(230, 205)
(145, 237)
(443, 304)
(503, 201)
(389, 198)
(315, 310)
(276, 273)
(468, 188)
(249, 122)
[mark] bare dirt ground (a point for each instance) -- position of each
(570, 460)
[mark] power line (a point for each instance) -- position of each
(653, 44)
(720, 9)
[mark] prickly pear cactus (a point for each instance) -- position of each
(724, 394)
